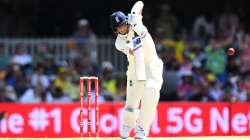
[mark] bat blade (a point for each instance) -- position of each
(137, 8)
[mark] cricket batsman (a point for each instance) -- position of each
(134, 40)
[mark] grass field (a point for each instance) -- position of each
(165, 138)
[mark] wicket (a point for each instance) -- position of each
(88, 93)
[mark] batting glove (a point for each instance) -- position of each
(134, 19)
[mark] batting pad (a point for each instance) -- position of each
(130, 116)
(149, 102)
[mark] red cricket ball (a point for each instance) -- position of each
(230, 51)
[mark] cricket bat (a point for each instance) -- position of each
(138, 53)
(137, 8)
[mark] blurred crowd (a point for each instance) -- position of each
(28, 78)
(196, 64)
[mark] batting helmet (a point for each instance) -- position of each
(116, 19)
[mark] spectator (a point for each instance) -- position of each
(74, 70)
(11, 93)
(4, 58)
(4, 96)
(168, 57)
(109, 81)
(83, 41)
(22, 57)
(215, 92)
(246, 85)
(59, 96)
(87, 68)
(198, 74)
(43, 53)
(227, 89)
(4, 62)
(40, 77)
(36, 94)
(184, 89)
(185, 67)
(216, 59)
(200, 92)
(50, 67)
(239, 92)
(63, 83)
(181, 45)
(16, 78)
(245, 55)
